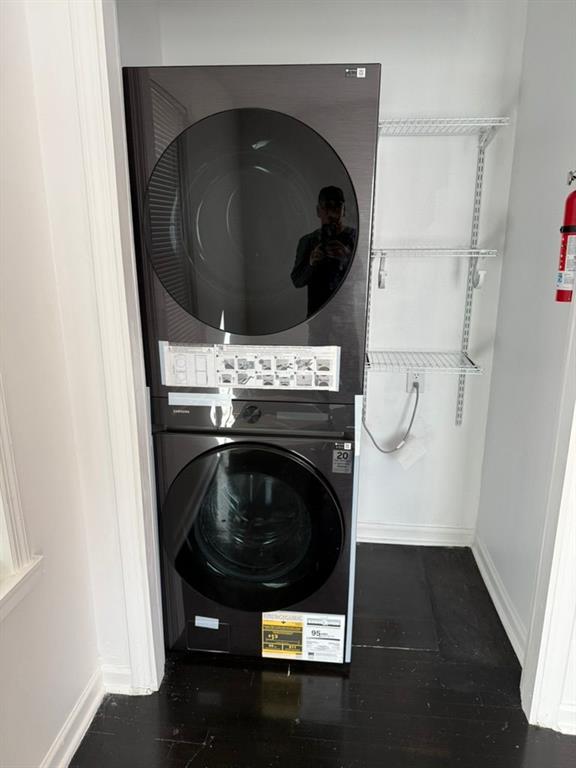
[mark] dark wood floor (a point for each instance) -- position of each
(433, 684)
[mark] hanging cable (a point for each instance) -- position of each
(402, 442)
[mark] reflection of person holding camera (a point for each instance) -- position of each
(323, 256)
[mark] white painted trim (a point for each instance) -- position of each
(77, 723)
(543, 683)
(98, 74)
(426, 535)
(567, 719)
(16, 586)
(118, 679)
(554, 604)
(505, 608)
(11, 505)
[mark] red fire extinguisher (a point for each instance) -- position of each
(567, 264)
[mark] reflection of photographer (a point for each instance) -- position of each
(323, 256)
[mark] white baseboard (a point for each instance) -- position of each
(76, 725)
(567, 719)
(505, 608)
(430, 535)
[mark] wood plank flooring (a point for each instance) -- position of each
(433, 684)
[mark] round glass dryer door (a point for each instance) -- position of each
(251, 221)
(252, 527)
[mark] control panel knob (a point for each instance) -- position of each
(251, 414)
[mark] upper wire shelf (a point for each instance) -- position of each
(464, 253)
(440, 126)
(405, 360)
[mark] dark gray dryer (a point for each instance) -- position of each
(228, 167)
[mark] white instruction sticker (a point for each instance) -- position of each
(303, 636)
(235, 366)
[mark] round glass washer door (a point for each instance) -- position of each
(232, 217)
(252, 527)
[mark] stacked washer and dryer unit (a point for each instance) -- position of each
(252, 196)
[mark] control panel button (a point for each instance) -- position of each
(251, 414)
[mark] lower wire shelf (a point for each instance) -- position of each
(390, 361)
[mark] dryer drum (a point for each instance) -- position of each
(228, 207)
(252, 527)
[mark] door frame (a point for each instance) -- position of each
(553, 623)
(96, 60)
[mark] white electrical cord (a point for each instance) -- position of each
(402, 442)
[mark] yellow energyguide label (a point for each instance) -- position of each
(282, 638)
(316, 637)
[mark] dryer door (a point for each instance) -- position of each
(252, 527)
(251, 221)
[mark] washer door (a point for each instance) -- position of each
(252, 527)
(231, 217)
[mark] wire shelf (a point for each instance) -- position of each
(404, 360)
(464, 253)
(440, 126)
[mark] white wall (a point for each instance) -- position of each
(139, 24)
(533, 384)
(48, 653)
(443, 59)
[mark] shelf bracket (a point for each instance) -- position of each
(484, 139)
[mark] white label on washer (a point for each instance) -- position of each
(342, 458)
(199, 398)
(205, 622)
(235, 366)
(303, 636)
